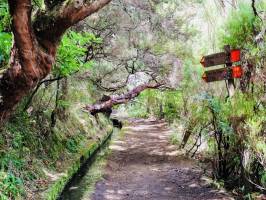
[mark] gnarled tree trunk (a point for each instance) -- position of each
(35, 44)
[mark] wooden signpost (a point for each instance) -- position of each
(228, 73)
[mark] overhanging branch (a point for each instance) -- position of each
(116, 100)
(53, 24)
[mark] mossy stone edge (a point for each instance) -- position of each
(57, 187)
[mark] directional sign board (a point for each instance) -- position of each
(220, 58)
(222, 74)
(214, 59)
(217, 75)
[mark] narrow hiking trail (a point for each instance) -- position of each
(144, 165)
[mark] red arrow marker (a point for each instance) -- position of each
(235, 55)
(237, 71)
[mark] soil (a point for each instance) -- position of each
(144, 165)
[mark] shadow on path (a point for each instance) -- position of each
(144, 165)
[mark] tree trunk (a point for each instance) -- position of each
(35, 44)
(22, 76)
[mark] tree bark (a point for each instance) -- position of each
(35, 44)
(116, 100)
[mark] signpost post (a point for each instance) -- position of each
(228, 63)
(227, 73)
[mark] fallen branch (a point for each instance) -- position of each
(116, 100)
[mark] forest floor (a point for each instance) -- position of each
(144, 165)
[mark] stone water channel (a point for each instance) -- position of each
(83, 182)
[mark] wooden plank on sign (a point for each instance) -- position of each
(214, 59)
(217, 75)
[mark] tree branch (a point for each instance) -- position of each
(116, 100)
(83, 10)
(51, 25)
(254, 8)
(49, 81)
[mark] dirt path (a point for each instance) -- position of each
(143, 165)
